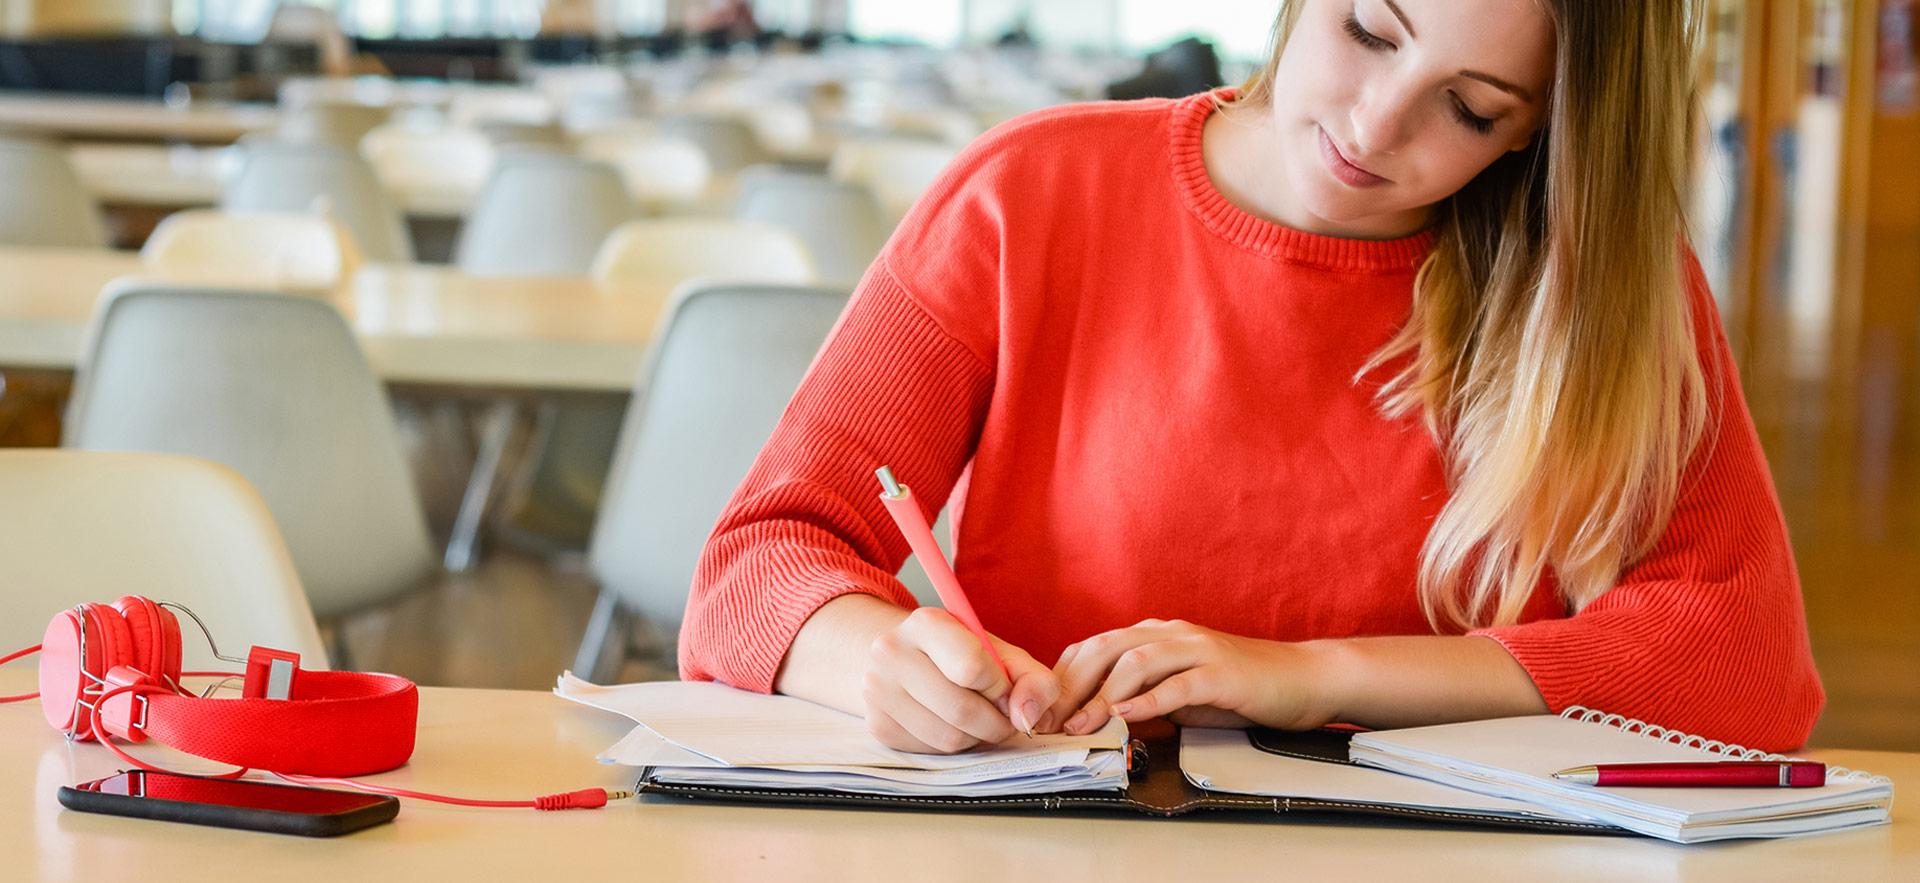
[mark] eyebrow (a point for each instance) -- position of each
(1402, 16)
(1500, 84)
(1488, 79)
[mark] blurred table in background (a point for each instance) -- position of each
(66, 117)
(419, 325)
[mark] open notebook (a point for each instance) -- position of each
(706, 741)
(1516, 757)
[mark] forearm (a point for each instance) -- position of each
(828, 659)
(1411, 681)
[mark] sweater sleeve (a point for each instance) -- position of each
(904, 380)
(1706, 633)
(807, 525)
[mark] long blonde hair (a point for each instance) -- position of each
(1551, 341)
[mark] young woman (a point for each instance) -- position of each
(1384, 391)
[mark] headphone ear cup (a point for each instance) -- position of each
(154, 646)
(62, 681)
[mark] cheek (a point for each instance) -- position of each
(1451, 163)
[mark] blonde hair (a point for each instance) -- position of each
(1550, 346)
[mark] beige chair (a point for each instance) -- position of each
(446, 163)
(652, 257)
(559, 493)
(276, 388)
(93, 526)
(722, 367)
(474, 106)
(542, 214)
(43, 201)
(666, 175)
(284, 251)
(335, 123)
(897, 171)
(281, 177)
(842, 224)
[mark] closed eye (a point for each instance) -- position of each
(1363, 36)
(1470, 119)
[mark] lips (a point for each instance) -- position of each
(1343, 169)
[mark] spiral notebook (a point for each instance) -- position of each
(1516, 758)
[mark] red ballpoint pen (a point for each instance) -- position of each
(1717, 774)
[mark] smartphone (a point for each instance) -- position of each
(231, 803)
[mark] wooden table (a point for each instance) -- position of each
(168, 177)
(418, 324)
(509, 744)
(68, 117)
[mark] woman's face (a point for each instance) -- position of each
(1385, 107)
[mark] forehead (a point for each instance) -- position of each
(1511, 39)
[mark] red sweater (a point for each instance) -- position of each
(1145, 397)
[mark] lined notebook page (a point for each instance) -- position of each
(1516, 757)
(737, 728)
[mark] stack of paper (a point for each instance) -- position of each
(1517, 757)
(710, 734)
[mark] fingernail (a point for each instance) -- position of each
(1073, 723)
(1029, 711)
(1122, 708)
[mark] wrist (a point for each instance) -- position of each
(1326, 673)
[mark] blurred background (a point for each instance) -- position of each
(584, 248)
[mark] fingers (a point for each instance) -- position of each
(1034, 691)
(1083, 667)
(1181, 690)
(932, 687)
(1133, 672)
(956, 651)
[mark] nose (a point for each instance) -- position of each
(1381, 119)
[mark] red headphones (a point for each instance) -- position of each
(114, 671)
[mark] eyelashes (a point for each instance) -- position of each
(1375, 42)
(1363, 36)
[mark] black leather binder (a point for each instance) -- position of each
(1157, 789)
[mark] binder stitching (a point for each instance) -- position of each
(1626, 724)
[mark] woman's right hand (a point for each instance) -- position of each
(931, 688)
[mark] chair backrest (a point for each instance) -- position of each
(653, 257)
(286, 251)
(662, 173)
(897, 171)
(91, 526)
(728, 142)
(542, 214)
(727, 360)
(472, 106)
(283, 177)
(842, 224)
(43, 201)
(336, 123)
(408, 158)
(276, 388)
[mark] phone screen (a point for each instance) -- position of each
(231, 793)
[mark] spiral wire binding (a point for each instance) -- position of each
(1724, 749)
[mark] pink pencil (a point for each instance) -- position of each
(913, 525)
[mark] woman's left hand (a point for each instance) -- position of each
(1194, 675)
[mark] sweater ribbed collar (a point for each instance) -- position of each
(1264, 237)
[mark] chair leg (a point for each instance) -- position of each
(496, 431)
(603, 650)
